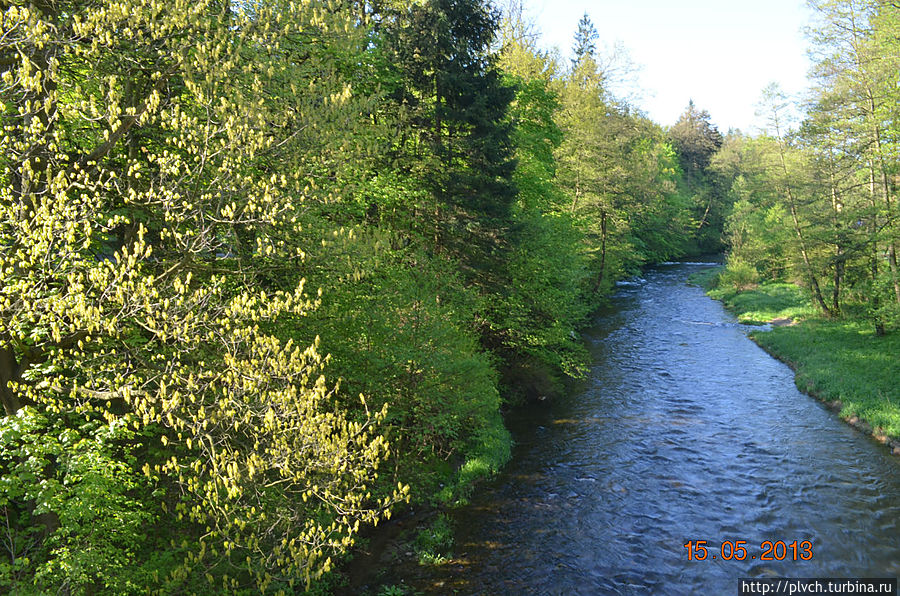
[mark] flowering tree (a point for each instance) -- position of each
(156, 158)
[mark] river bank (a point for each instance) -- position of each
(682, 430)
(678, 411)
(842, 363)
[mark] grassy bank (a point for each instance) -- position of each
(841, 362)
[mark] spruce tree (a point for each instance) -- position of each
(459, 133)
(586, 37)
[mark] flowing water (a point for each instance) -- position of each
(685, 431)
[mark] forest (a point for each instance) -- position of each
(272, 271)
(814, 199)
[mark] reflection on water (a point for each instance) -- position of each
(685, 431)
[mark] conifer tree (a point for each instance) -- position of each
(585, 44)
(696, 139)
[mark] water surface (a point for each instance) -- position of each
(684, 431)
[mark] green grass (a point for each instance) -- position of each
(433, 544)
(765, 303)
(491, 450)
(844, 360)
(705, 278)
(833, 359)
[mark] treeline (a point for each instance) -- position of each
(815, 201)
(201, 199)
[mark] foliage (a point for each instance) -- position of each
(537, 315)
(707, 279)
(696, 141)
(817, 202)
(154, 170)
(585, 44)
(399, 327)
(392, 590)
(433, 544)
(95, 489)
(173, 179)
(621, 177)
(739, 274)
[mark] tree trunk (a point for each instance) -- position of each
(813, 281)
(838, 278)
(9, 371)
(577, 192)
(885, 194)
(705, 213)
(602, 249)
(876, 301)
(839, 261)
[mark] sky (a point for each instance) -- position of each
(720, 53)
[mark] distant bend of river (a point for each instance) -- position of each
(684, 431)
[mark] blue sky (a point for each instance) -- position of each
(720, 53)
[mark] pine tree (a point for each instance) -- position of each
(696, 138)
(458, 131)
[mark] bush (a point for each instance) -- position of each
(739, 274)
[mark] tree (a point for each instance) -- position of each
(589, 168)
(856, 71)
(618, 170)
(153, 173)
(456, 104)
(585, 44)
(696, 139)
(547, 300)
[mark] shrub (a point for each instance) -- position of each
(739, 274)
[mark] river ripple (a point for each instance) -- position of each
(686, 430)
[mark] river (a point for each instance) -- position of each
(684, 431)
